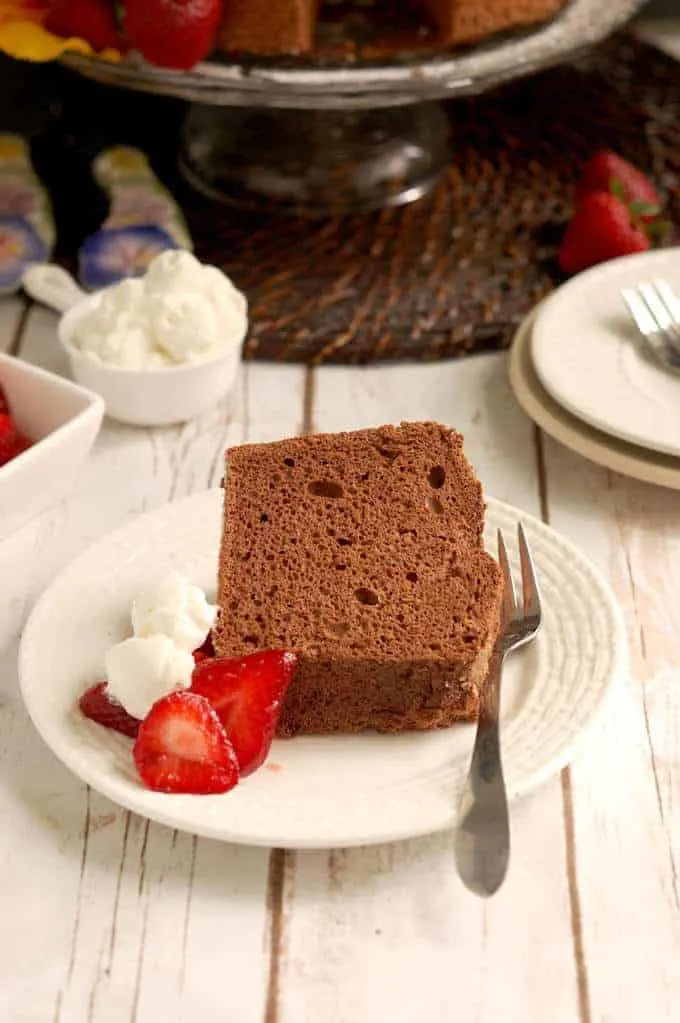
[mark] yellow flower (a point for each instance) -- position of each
(23, 36)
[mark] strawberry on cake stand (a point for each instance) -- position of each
(348, 118)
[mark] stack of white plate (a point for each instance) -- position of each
(579, 370)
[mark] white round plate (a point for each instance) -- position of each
(587, 354)
(324, 791)
(617, 455)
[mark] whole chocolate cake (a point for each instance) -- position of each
(362, 551)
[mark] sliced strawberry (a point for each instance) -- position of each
(247, 695)
(8, 438)
(205, 651)
(182, 747)
(609, 172)
(97, 705)
(92, 20)
(172, 33)
(602, 228)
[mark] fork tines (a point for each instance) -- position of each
(528, 608)
(655, 309)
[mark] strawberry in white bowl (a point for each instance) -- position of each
(62, 421)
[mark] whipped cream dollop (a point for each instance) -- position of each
(141, 670)
(175, 608)
(181, 311)
(170, 619)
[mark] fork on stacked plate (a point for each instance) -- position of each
(597, 365)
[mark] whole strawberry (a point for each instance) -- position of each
(602, 228)
(92, 20)
(609, 172)
(172, 33)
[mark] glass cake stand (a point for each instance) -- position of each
(339, 136)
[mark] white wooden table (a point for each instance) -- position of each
(107, 918)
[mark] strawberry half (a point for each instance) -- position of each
(182, 748)
(172, 33)
(609, 172)
(602, 228)
(247, 695)
(97, 705)
(92, 20)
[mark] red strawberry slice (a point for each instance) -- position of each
(8, 438)
(205, 651)
(97, 705)
(91, 20)
(247, 695)
(172, 33)
(602, 228)
(182, 747)
(609, 172)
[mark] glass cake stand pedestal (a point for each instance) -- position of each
(339, 138)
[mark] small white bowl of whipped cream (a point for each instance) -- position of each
(160, 349)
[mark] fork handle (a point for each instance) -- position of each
(486, 768)
(483, 833)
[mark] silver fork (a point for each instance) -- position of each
(655, 309)
(482, 843)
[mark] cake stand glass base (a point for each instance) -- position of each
(314, 162)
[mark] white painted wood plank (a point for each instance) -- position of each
(390, 932)
(626, 780)
(226, 901)
(113, 918)
(40, 853)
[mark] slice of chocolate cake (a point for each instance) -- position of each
(362, 551)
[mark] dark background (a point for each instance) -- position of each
(69, 119)
(454, 273)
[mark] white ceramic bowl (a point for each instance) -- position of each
(63, 420)
(150, 397)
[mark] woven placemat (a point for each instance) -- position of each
(457, 271)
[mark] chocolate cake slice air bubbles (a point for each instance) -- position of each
(363, 552)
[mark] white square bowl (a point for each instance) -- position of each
(62, 419)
